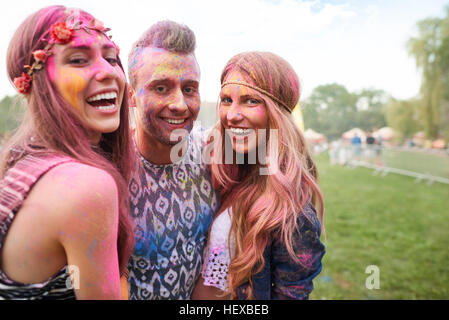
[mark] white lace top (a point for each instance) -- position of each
(216, 255)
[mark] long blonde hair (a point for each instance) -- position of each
(266, 205)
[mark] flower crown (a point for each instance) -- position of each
(60, 33)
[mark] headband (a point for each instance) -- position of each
(261, 91)
(60, 33)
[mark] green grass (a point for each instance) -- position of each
(422, 162)
(388, 221)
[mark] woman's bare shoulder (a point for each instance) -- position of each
(71, 190)
(76, 180)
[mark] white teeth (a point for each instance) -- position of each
(240, 130)
(174, 121)
(103, 96)
(109, 107)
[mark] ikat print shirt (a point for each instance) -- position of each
(172, 207)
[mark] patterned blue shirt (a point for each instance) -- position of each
(172, 207)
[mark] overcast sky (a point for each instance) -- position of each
(357, 43)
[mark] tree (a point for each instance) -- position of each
(12, 110)
(430, 48)
(370, 109)
(404, 116)
(331, 109)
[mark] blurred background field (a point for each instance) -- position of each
(436, 164)
(389, 221)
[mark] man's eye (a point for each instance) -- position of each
(189, 90)
(161, 89)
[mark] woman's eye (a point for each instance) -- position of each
(113, 61)
(78, 61)
(253, 101)
(226, 100)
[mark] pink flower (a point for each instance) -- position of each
(23, 83)
(60, 33)
(40, 55)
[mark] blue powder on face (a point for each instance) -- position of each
(136, 54)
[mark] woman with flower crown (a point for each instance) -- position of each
(264, 242)
(64, 228)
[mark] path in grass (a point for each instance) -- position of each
(391, 222)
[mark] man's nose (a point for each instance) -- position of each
(177, 102)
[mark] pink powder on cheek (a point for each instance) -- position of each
(222, 112)
(69, 82)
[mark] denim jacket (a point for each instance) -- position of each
(281, 277)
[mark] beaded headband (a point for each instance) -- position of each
(261, 91)
(60, 33)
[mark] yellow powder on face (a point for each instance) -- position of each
(165, 71)
(240, 90)
(71, 85)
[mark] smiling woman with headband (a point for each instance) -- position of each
(265, 241)
(64, 228)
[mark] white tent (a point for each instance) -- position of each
(355, 131)
(386, 133)
(314, 136)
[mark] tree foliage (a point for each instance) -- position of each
(331, 109)
(12, 110)
(404, 116)
(430, 48)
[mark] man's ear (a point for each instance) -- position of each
(132, 97)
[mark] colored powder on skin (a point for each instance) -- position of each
(133, 64)
(164, 71)
(72, 84)
(91, 249)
